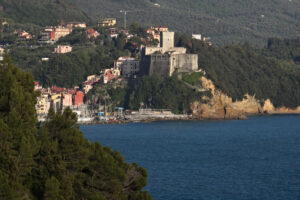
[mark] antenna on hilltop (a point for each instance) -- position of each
(125, 16)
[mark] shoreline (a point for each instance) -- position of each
(188, 118)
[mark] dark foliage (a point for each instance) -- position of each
(224, 21)
(241, 69)
(41, 12)
(54, 160)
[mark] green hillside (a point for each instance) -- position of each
(225, 21)
(40, 12)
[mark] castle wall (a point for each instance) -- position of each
(160, 65)
(183, 63)
(151, 50)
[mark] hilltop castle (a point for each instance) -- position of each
(166, 59)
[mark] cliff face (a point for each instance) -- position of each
(221, 106)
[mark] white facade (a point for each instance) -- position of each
(197, 36)
(61, 49)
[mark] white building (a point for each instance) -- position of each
(61, 49)
(197, 36)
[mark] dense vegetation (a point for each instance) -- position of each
(285, 49)
(241, 69)
(225, 21)
(45, 12)
(53, 160)
(151, 92)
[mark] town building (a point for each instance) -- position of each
(92, 33)
(197, 36)
(87, 86)
(45, 59)
(108, 22)
(130, 67)
(2, 50)
(37, 86)
(156, 31)
(24, 35)
(161, 29)
(54, 89)
(115, 72)
(52, 34)
(43, 105)
(92, 78)
(166, 59)
(76, 25)
(108, 76)
(78, 98)
(113, 32)
(120, 61)
(56, 101)
(61, 49)
(67, 100)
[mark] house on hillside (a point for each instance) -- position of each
(155, 31)
(52, 34)
(76, 25)
(24, 35)
(108, 22)
(62, 49)
(108, 76)
(92, 33)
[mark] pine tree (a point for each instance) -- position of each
(17, 126)
(52, 189)
(55, 161)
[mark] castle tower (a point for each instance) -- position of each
(166, 40)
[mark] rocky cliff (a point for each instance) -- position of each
(221, 106)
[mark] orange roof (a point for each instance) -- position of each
(90, 31)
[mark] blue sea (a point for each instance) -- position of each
(253, 159)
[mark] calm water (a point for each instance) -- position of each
(229, 160)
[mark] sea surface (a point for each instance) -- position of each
(212, 160)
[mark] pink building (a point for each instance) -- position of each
(67, 100)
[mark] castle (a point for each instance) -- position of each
(166, 59)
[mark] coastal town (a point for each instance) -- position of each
(157, 57)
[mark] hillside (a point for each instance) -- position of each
(225, 21)
(53, 160)
(40, 12)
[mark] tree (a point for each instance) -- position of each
(54, 161)
(52, 189)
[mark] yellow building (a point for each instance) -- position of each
(108, 22)
(56, 101)
(43, 105)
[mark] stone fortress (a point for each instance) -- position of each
(166, 59)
